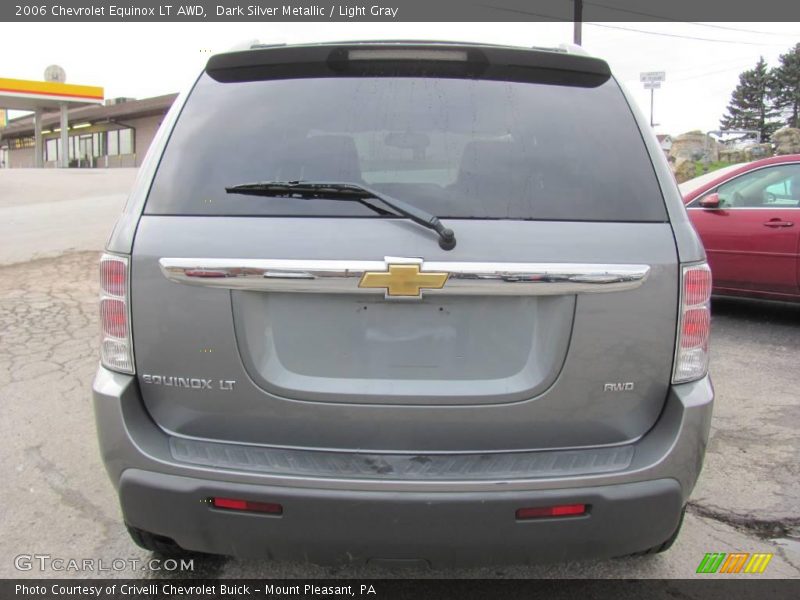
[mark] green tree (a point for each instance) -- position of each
(751, 105)
(786, 87)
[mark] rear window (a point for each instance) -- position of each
(458, 148)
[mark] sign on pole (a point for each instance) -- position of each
(651, 76)
(652, 81)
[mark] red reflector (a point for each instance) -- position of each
(563, 510)
(696, 328)
(247, 505)
(114, 317)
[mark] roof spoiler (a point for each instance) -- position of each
(406, 58)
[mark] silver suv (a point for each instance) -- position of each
(404, 301)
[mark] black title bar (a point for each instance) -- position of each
(397, 10)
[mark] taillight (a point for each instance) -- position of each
(691, 355)
(116, 352)
(114, 275)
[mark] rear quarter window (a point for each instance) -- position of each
(458, 148)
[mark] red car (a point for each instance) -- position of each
(748, 216)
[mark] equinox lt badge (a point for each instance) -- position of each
(194, 383)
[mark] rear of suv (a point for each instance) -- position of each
(404, 301)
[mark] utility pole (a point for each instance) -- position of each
(652, 93)
(577, 21)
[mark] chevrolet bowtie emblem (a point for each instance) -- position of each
(403, 280)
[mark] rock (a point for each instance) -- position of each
(787, 140)
(694, 146)
(757, 151)
(684, 170)
(732, 156)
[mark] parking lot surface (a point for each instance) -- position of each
(59, 502)
(46, 212)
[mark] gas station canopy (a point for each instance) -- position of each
(38, 96)
(21, 94)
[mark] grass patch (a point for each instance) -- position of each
(712, 166)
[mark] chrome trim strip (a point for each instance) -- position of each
(343, 276)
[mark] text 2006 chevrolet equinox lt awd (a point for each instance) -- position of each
(404, 301)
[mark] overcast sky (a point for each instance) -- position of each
(142, 59)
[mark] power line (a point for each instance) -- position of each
(530, 13)
(633, 29)
(683, 37)
(794, 35)
(740, 62)
(662, 18)
(706, 74)
(629, 11)
(732, 63)
(718, 68)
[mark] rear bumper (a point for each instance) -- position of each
(328, 519)
(330, 526)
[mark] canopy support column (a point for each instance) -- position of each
(38, 146)
(63, 151)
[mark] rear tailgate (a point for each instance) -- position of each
(445, 373)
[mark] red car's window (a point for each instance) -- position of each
(771, 187)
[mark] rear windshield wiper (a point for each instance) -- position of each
(312, 190)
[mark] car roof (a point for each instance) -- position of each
(694, 187)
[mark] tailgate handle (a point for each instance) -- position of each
(350, 276)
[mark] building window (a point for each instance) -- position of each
(126, 141)
(51, 150)
(119, 141)
(112, 144)
(20, 143)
